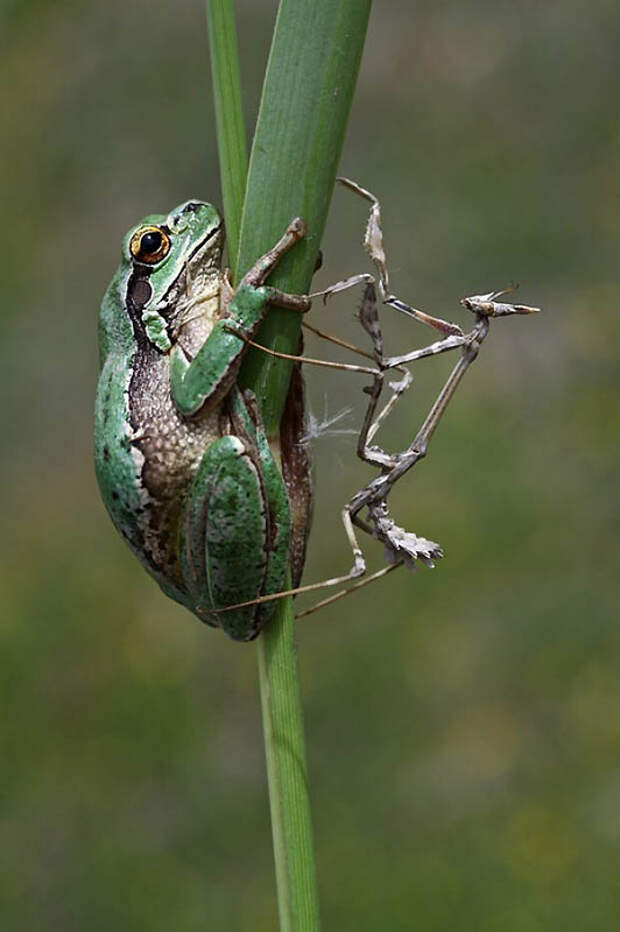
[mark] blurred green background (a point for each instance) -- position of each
(463, 725)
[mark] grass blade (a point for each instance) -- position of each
(230, 127)
(307, 94)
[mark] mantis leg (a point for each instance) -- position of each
(373, 244)
(401, 546)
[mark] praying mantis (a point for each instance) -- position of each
(367, 510)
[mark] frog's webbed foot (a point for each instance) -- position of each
(234, 535)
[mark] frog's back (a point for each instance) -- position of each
(115, 461)
(146, 453)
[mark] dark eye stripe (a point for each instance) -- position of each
(139, 292)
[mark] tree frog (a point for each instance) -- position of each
(181, 455)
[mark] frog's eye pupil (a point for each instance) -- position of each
(150, 242)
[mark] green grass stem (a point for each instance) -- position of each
(309, 84)
(307, 94)
(230, 126)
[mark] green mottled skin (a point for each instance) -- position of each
(181, 457)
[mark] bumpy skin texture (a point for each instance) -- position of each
(187, 475)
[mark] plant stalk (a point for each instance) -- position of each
(229, 122)
(307, 93)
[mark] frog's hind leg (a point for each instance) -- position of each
(224, 537)
(247, 421)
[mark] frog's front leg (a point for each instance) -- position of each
(213, 371)
(235, 533)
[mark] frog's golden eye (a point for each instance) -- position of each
(149, 245)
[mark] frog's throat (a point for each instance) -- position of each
(155, 325)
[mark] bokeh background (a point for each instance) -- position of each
(463, 724)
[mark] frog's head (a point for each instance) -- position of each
(168, 258)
